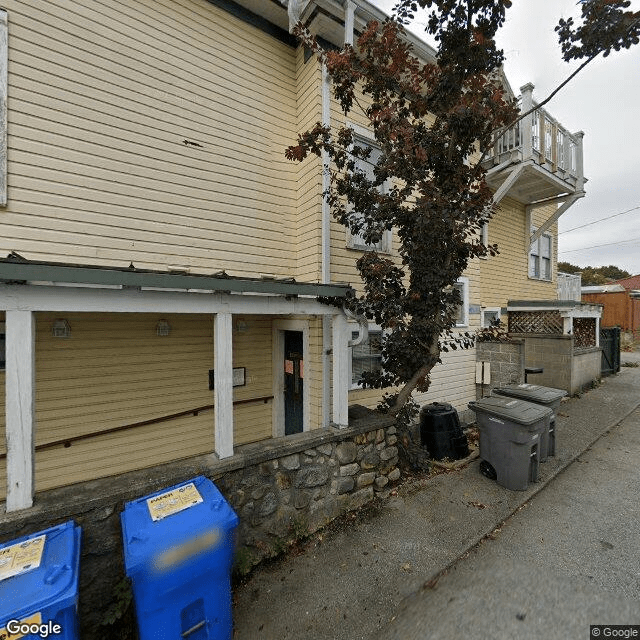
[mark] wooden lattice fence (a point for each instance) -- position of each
(543, 322)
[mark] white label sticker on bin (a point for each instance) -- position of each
(173, 501)
(10, 634)
(510, 404)
(22, 557)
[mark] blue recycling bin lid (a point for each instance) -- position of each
(182, 522)
(39, 571)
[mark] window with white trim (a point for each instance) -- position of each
(489, 315)
(462, 317)
(540, 257)
(366, 356)
(366, 166)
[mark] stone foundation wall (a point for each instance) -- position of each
(287, 497)
(281, 489)
(507, 364)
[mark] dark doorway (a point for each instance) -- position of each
(293, 382)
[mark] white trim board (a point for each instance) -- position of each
(90, 299)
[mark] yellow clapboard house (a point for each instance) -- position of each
(160, 260)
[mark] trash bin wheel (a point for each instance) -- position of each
(487, 470)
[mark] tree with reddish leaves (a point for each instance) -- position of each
(432, 121)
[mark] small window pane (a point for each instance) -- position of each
(488, 317)
(2, 351)
(545, 246)
(460, 319)
(366, 356)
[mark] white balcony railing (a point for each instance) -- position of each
(539, 137)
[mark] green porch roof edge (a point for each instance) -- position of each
(14, 271)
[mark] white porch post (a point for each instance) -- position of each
(526, 126)
(20, 408)
(341, 384)
(223, 384)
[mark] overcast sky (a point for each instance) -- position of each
(603, 101)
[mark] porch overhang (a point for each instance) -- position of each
(16, 270)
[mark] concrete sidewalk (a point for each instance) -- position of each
(347, 584)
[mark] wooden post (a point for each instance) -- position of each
(579, 136)
(542, 122)
(20, 408)
(223, 381)
(341, 382)
(527, 122)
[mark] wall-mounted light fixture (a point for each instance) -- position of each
(163, 328)
(60, 328)
(241, 326)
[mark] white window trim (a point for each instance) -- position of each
(484, 237)
(386, 241)
(355, 386)
(497, 310)
(464, 281)
(537, 244)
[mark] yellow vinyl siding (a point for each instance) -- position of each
(252, 349)
(102, 97)
(505, 276)
(115, 371)
(308, 172)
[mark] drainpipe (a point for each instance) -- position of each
(349, 18)
(325, 266)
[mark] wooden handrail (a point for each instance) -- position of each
(66, 442)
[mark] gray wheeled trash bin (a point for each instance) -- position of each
(510, 434)
(546, 396)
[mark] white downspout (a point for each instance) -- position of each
(327, 328)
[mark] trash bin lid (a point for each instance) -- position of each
(192, 512)
(38, 571)
(437, 408)
(513, 409)
(532, 392)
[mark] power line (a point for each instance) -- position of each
(608, 244)
(615, 215)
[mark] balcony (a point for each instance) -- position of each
(537, 160)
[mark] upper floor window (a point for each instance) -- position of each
(462, 317)
(540, 256)
(3, 362)
(367, 166)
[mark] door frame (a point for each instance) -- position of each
(278, 329)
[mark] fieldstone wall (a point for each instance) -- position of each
(285, 498)
(281, 489)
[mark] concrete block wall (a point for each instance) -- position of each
(554, 354)
(507, 363)
(587, 367)
(564, 366)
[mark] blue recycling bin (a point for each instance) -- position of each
(178, 551)
(39, 584)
